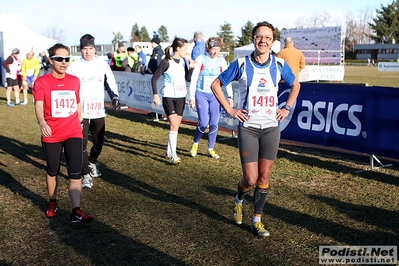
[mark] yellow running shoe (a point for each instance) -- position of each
(213, 154)
(259, 229)
(237, 213)
(193, 151)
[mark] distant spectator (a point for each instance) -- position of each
(118, 57)
(130, 60)
(141, 54)
(199, 47)
(293, 56)
(12, 65)
(368, 62)
(30, 71)
(156, 56)
(45, 63)
(109, 56)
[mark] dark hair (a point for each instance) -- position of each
(264, 24)
(130, 49)
(177, 42)
(55, 47)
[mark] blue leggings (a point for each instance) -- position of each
(208, 109)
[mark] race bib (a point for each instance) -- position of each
(93, 106)
(180, 89)
(30, 72)
(208, 82)
(262, 101)
(63, 103)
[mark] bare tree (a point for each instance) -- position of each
(300, 23)
(318, 20)
(54, 33)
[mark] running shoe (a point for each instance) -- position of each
(10, 104)
(52, 209)
(213, 154)
(24, 103)
(259, 229)
(175, 160)
(79, 217)
(168, 156)
(87, 181)
(94, 172)
(193, 151)
(237, 213)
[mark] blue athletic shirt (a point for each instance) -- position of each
(243, 70)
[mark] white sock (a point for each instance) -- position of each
(255, 219)
(172, 142)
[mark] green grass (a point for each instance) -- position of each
(150, 213)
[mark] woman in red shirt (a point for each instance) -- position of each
(58, 111)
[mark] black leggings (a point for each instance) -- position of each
(73, 151)
(97, 130)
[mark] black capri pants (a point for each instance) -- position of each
(73, 151)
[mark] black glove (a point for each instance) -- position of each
(115, 104)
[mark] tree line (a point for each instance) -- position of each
(366, 26)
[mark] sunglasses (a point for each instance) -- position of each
(61, 58)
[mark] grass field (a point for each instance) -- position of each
(150, 213)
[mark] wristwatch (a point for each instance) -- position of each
(287, 107)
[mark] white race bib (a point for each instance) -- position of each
(63, 103)
(208, 82)
(93, 106)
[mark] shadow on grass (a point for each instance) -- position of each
(332, 165)
(159, 156)
(385, 219)
(374, 216)
(98, 242)
(137, 186)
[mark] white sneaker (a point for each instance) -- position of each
(87, 181)
(94, 172)
(175, 160)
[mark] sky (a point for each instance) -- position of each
(182, 18)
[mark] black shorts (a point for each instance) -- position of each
(14, 82)
(173, 105)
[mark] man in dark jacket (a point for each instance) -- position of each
(156, 57)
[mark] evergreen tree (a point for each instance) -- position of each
(163, 34)
(386, 24)
(135, 34)
(228, 38)
(144, 36)
(246, 34)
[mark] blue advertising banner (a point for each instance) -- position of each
(352, 117)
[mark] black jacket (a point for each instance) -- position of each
(155, 59)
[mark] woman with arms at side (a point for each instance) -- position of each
(176, 71)
(58, 111)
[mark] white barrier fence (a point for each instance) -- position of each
(388, 66)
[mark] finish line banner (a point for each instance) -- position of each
(353, 117)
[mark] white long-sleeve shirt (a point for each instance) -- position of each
(95, 76)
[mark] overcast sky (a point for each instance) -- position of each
(181, 18)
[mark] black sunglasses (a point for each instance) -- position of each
(61, 58)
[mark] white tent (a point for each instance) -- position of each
(14, 34)
(248, 49)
